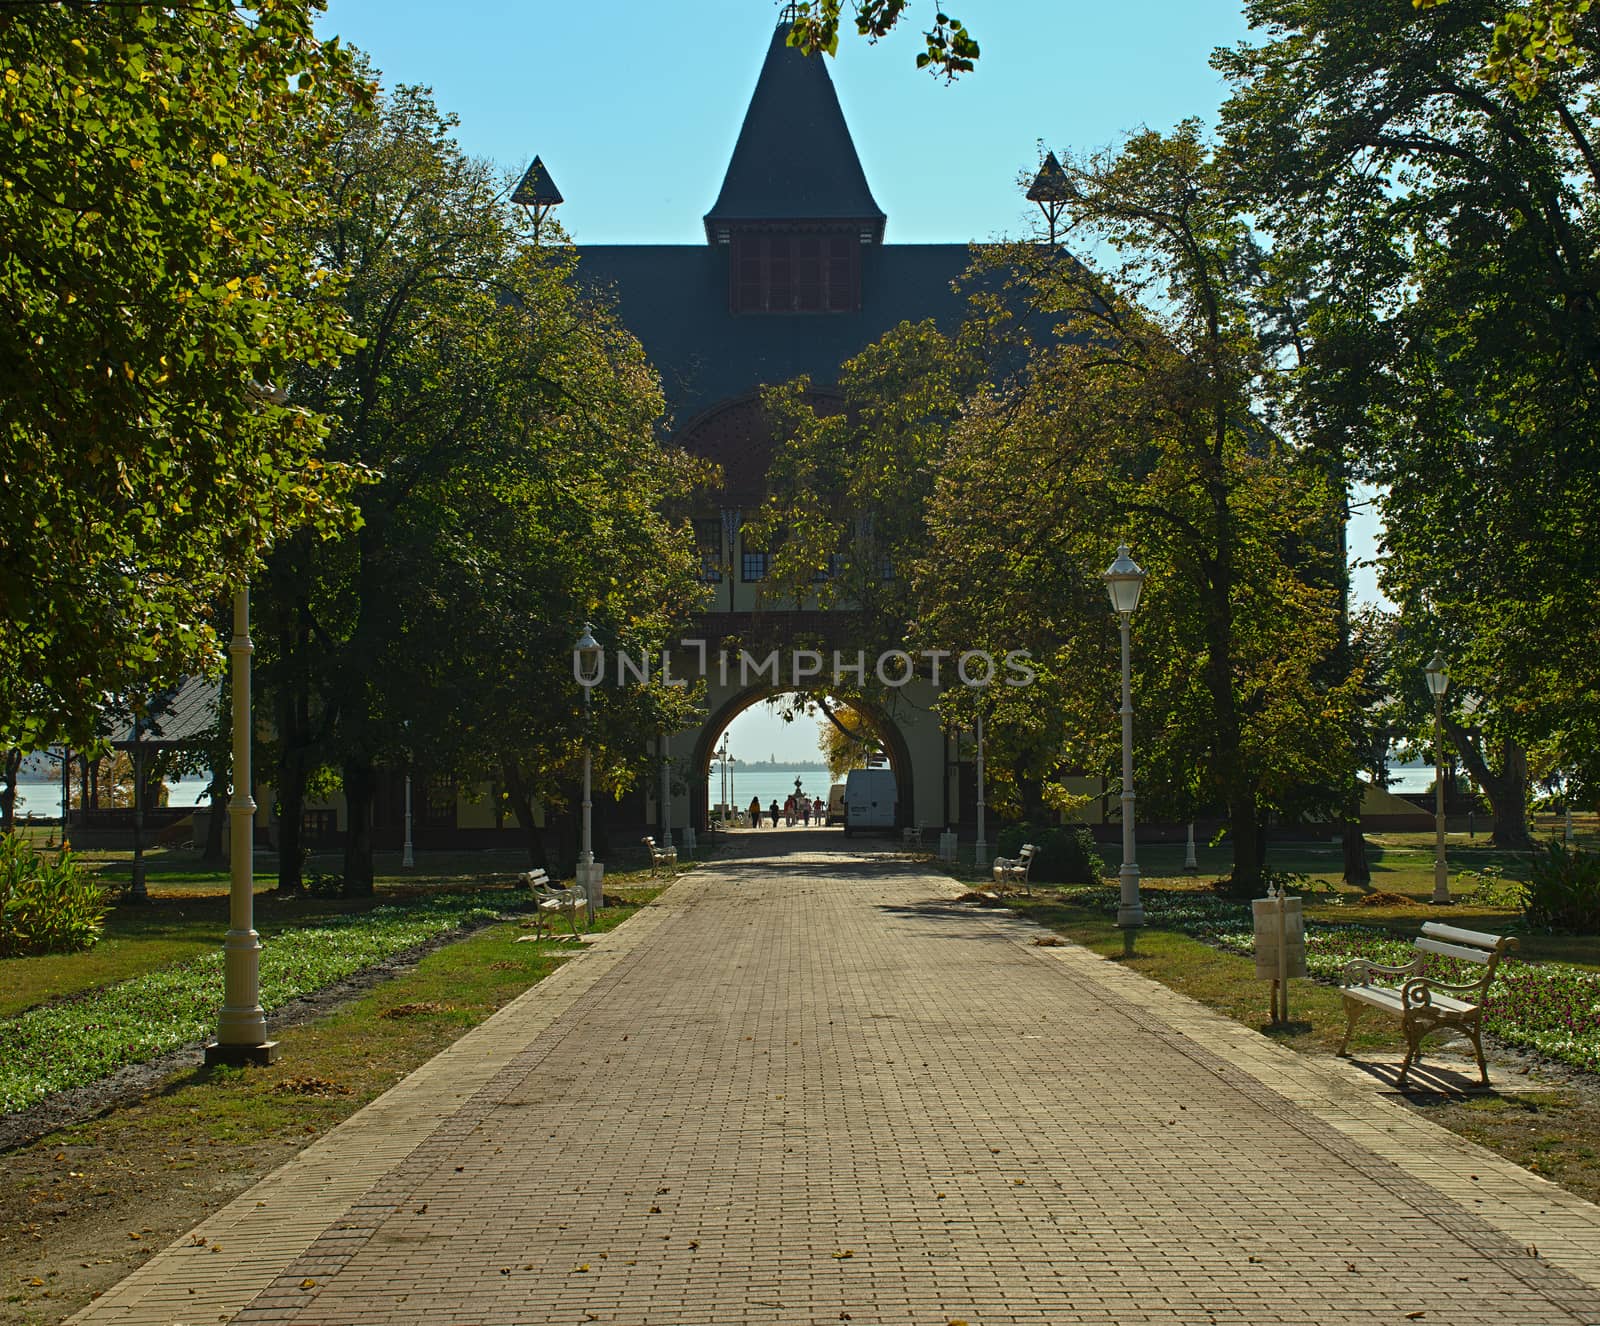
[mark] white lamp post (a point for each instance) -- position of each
(241, 1025)
(587, 659)
(1438, 674)
(980, 849)
(1124, 579)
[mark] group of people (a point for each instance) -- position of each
(797, 808)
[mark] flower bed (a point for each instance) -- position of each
(49, 1049)
(1548, 1007)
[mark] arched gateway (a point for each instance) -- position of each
(794, 278)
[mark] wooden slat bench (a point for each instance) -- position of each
(1425, 1004)
(1014, 870)
(660, 856)
(550, 898)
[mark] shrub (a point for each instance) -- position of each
(1563, 891)
(1066, 853)
(47, 904)
(1493, 889)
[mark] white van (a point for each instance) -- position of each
(836, 804)
(869, 799)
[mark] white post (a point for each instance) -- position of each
(407, 857)
(664, 747)
(1191, 863)
(1441, 870)
(1130, 910)
(66, 793)
(980, 849)
(1567, 834)
(241, 1025)
(591, 873)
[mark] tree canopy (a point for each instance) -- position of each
(518, 489)
(1445, 229)
(155, 287)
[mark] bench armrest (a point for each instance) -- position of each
(1359, 971)
(1418, 991)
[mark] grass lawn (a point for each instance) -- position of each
(1553, 1128)
(83, 1207)
(187, 914)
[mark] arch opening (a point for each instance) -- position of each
(723, 715)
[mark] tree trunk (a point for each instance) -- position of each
(1249, 846)
(291, 791)
(1507, 790)
(1357, 870)
(360, 790)
(522, 806)
(8, 796)
(212, 855)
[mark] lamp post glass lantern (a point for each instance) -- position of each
(1124, 580)
(587, 658)
(1438, 675)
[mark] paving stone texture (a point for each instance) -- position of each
(807, 1087)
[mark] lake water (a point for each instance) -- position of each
(768, 784)
(45, 798)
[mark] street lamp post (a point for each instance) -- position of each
(1124, 579)
(666, 789)
(980, 849)
(241, 1025)
(1438, 674)
(586, 655)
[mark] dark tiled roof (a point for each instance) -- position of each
(674, 298)
(536, 188)
(183, 716)
(795, 159)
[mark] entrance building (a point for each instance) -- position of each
(794, 277)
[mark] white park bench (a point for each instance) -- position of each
(1425, 1004)
(1013, 871)
(550, 898)
(660, 856)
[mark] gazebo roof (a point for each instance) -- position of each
(182, 716)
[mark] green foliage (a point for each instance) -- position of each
(1532, 42)
(154, 172)
(950, 49)
(1491, 888)
(68, 1044)
(48, 904)
(1563, 889)
(1067, 852)
(1441, 235)
(520, 489)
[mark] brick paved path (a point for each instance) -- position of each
(808, 1089)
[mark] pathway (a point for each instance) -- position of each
(804, 1087)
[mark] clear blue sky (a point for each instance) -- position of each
(634, 108)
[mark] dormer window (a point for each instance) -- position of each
(794, 272)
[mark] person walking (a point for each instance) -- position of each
(819, 810)
(774, 812)
(805, 810)
(755, 812)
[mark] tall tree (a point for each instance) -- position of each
(153, 278)
(507, 424)
(1082, 404)
(1449, 227)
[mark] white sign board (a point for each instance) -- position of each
(1280, 938)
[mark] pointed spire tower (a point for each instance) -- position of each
(538, 193)
(794, 166)
(1052, 191)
